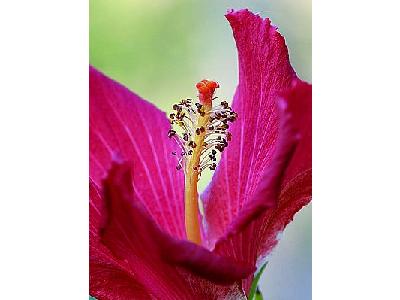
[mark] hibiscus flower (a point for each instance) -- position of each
(147, 237)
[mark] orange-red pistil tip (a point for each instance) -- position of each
(206, 90)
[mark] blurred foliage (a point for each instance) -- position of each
(161, 48)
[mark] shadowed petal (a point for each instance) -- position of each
(168, 268)
(123, 125)
(264, 71)
(280, 195)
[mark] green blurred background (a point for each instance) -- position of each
(161, 48)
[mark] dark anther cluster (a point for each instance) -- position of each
(186, 115)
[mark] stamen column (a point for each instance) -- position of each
(191, 178)
(202, 130)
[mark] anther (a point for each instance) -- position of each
(192, 144)
(171, 133)
(229, 136)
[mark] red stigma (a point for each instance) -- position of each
(206, 90)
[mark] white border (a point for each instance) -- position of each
(356, 150)
(44, 150)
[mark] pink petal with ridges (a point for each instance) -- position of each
(280, 194)
(264, 71)
(260, 185)
(124, 126)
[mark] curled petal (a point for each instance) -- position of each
(167, 267)
(297, 181)
(110, 278)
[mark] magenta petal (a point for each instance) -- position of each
(204, 263)
(264, 71)
(123, 125)
(296, 187)
(109, 277)
(268, 190)
(280, 194)
(168, 268)
(297, 181)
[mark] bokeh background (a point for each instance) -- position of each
(161, 48)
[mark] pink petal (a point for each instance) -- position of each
(166, 267)
(109, 278)
(264, 71)
(125, 126)
(280, 193)
(297, 181)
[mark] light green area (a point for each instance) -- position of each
(161, 48)
(259, 295)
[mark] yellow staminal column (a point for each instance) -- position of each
(202, 130)
(191, 178)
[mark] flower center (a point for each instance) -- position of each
(200, 130)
